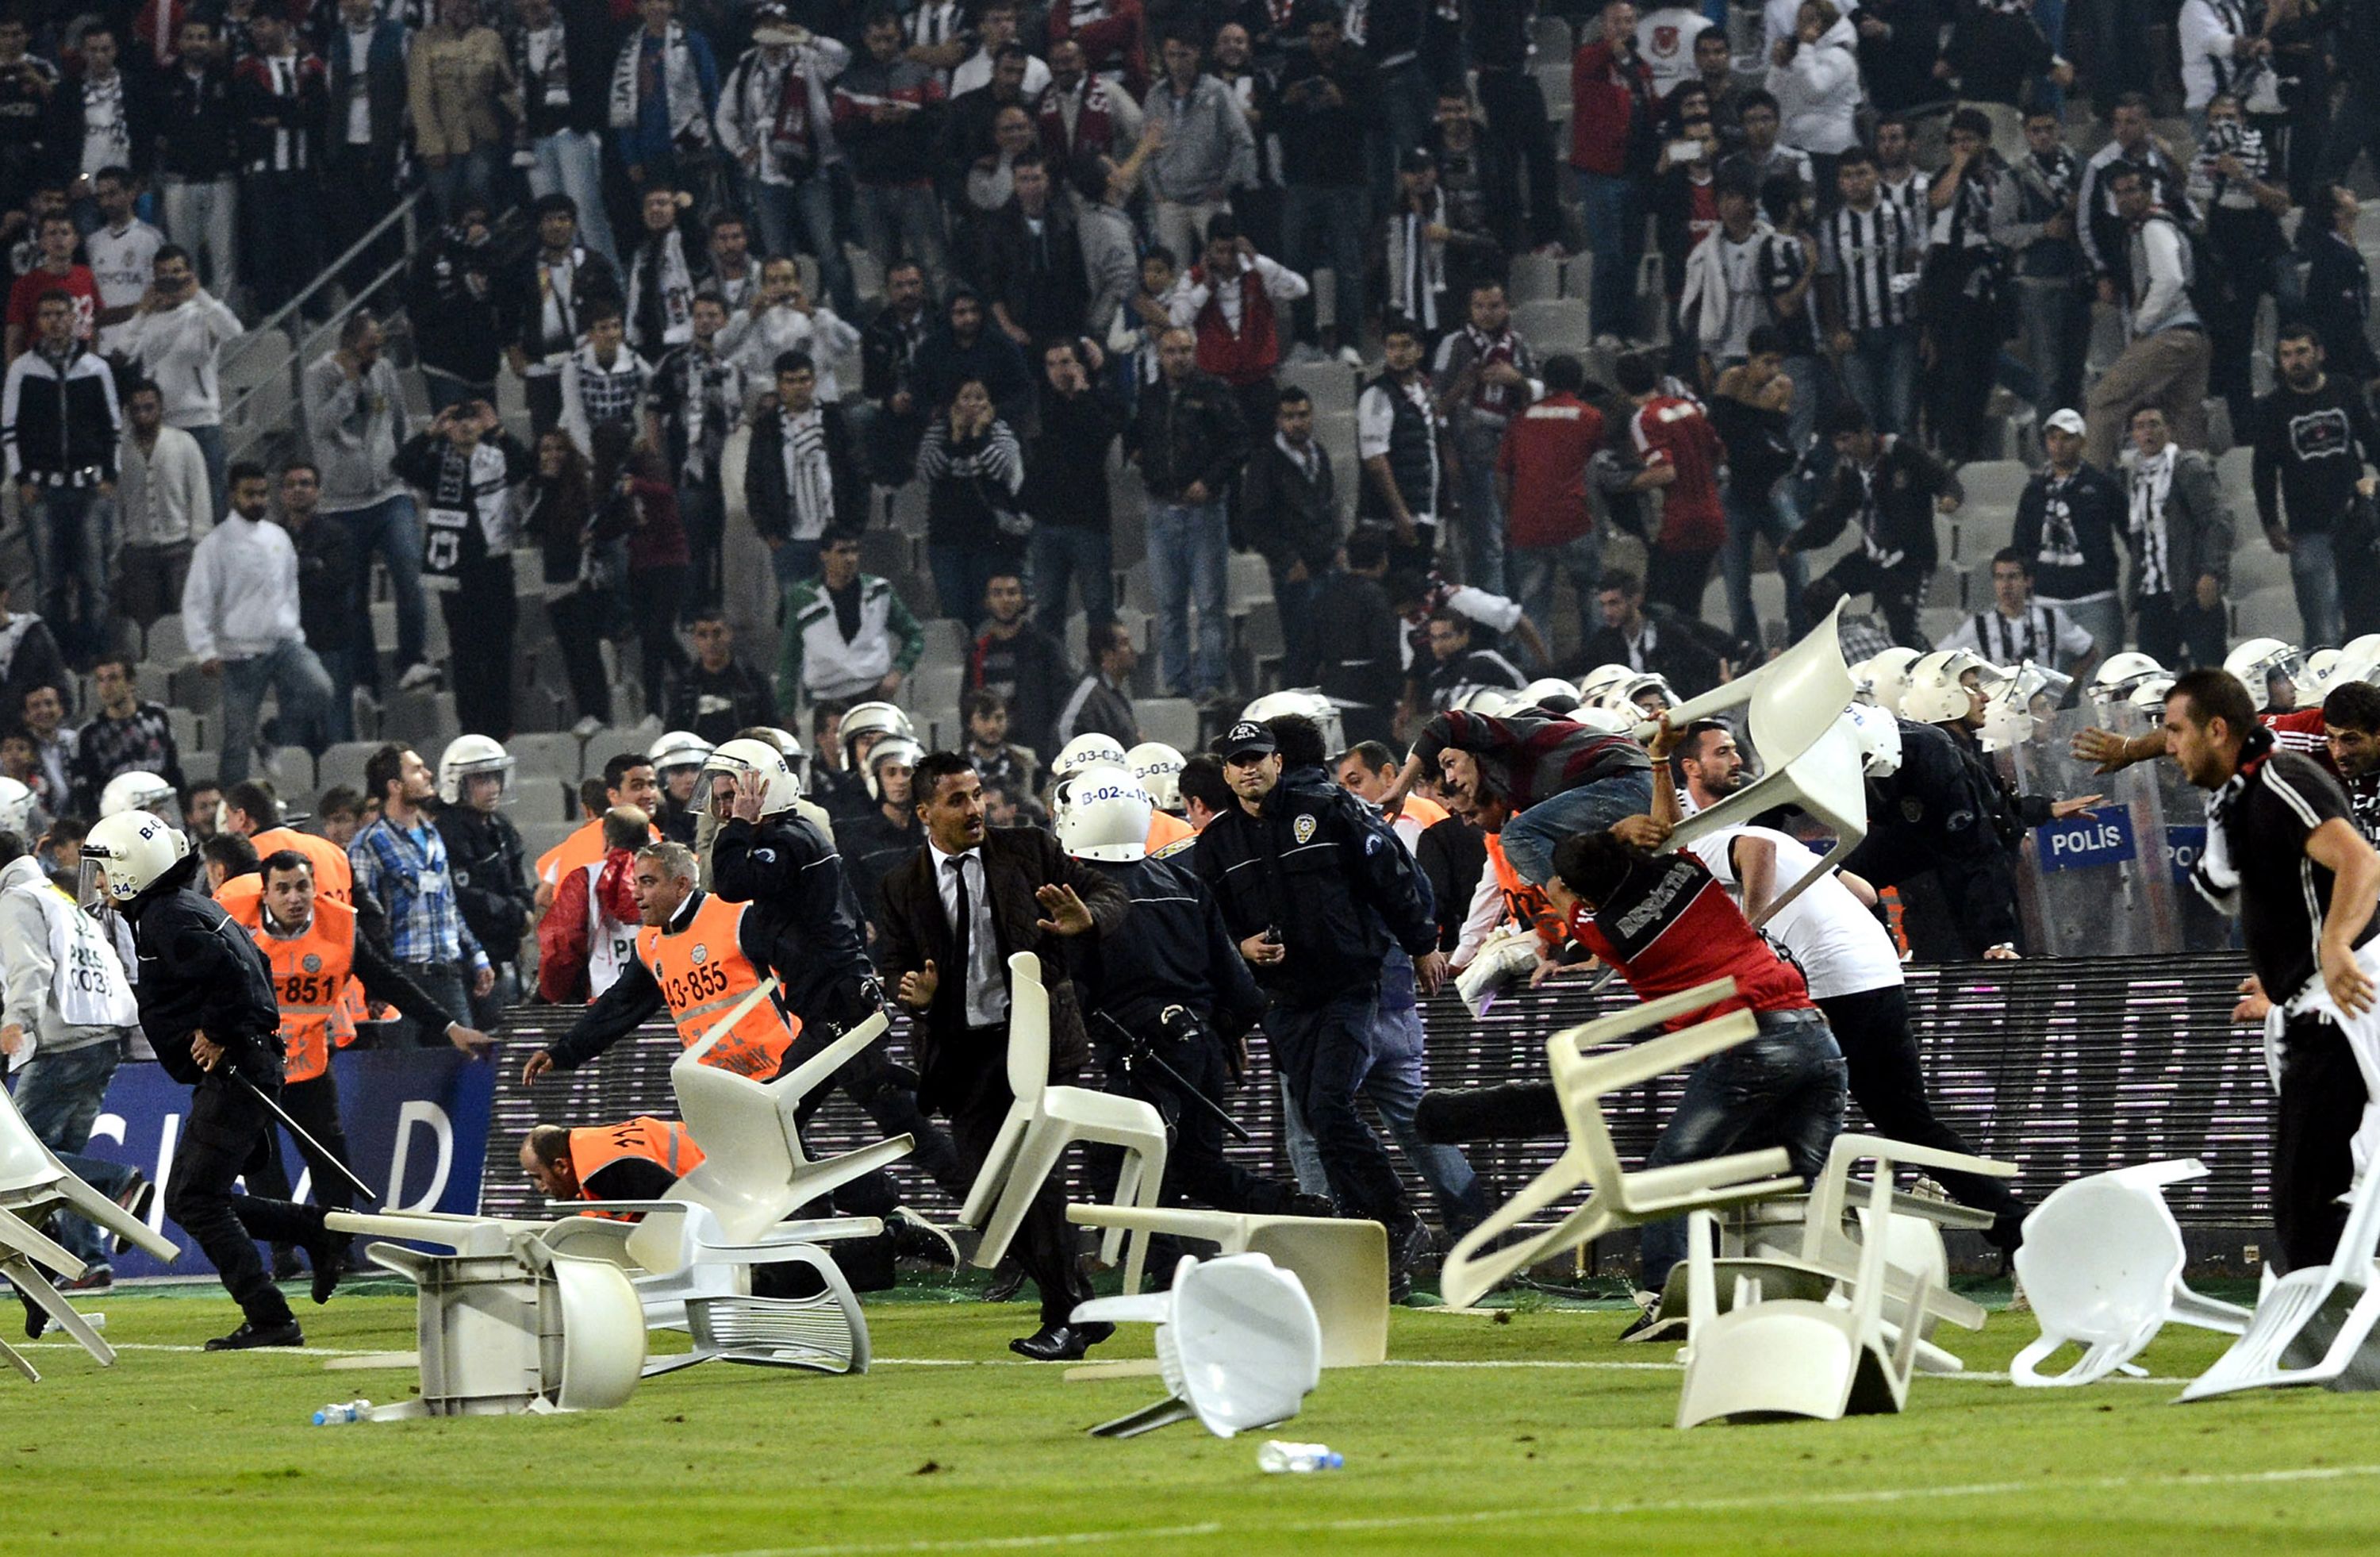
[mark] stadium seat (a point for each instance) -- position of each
(1237, 1341)
(344, 764)
(555, 752)
(2313, 1326)
(1794, 1356)
(167, 644)
(1993, 483)
(604, 744)
(1044, 1121)
(1333, 385)
(33, 1184)
(2101, 1263)
(1556, 326)
(1343, 1265)
(1616, 1197)
(1534, 278)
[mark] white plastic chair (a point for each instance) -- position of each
(2313, 1326)
(1341, 1264)
(1766, 1358)
(1045, 1120)
(2101, 1263)
(1618, 1197)
(33, 1184)
(1237, 1342)
(506, 1326)
(1810, 753)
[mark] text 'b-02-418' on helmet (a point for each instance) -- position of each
(1102, 813)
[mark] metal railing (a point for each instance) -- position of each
(247, 432)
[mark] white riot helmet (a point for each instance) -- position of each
(1624, 698)
(1884, 677)
(1879, 739)
(139, 791)
(2120, 676)
(784, 741)
(1938, 694)
(470, 757)
(862, 720)
(676, 748)
(2149, 696)
(2008, 718)
(1553, 695)
(1159, 768)
(733, 759)
(124, 854)
(1593, 684)
(17, 810)
(2321, 665)
(1605, 721)
(1090, 749)
(2260, 662)
(891, 749)
(1102, 813)
(2360, 661)
(1306, 702)
(1493, 702)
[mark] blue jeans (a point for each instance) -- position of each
(802, 216)
(1071, 555)
(1782, 1087)
(60, 1094)
(303, 687)
(392, 530)
(1323, 1053)
(1483, 516)
(471, 177)
(1530, 837)
(1880, 373)
(962, 569)
(1615, 233)
(217, 454)
(2313, 573)
(339, 718)
(570, 162)
(1750, 513)
(1189, 556)
(72, 541)
(911, 210)
(1532, 571)
(449, 984)
(1328, 225)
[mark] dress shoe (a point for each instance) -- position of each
(1061, 1343)
(37, 1319)
(1007, 1281)
(1310, 1205)
(248, 1337)
(329, 1261)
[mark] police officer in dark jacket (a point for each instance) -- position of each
(1316, 889)
(1939, 815)
(207, 1007)
(489, 863)
(1176, 988)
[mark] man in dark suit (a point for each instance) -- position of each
(948, 922)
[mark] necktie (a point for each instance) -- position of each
(962, 932)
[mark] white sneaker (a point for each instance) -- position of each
(416, 675)
(588, 728)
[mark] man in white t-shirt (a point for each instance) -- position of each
(1848, 960)
(1664, 39)
(122, 251)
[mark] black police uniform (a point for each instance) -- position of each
(1946, 813)
(485, 856)
(199, 972)
(1318, 866)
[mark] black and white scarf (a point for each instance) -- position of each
(1417, 261)
(468, 514)
(679, 79)
(809, 475)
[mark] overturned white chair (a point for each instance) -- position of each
(1803, 1245)
(1767, 1357)
(33, 1184)
(1237, 1342)
(1045, 1120)
(503, 1325)
(692, 1254)
(2313, 1326)
(1343, 1265)
(1617, 1198)
(2101, 1263)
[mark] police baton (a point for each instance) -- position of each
(313, 1147)
(1136, 1050)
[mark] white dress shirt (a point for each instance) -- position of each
(986, 992)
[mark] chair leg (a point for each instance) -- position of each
(37, 1286)
(1151, 1159)
(1045, 1141)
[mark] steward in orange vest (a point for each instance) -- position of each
(637, 1160)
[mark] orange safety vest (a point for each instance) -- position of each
(1526, 904)
(310, 973)
(703, 973)
(335, 877)
(1165, 830)
(597, 1146)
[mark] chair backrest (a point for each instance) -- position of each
(2099, 1259)
(1246, 1346)
(1583, 1080)
(25, 1163)
(1028, 1029)
(746, 1173)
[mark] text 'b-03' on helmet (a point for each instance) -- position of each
(124, 854)
(675, 750)
(733, 759)
(140, 791)
(862, 720)
(470, 757)
(1089, 750)
(1159, 768)
(1102, 813)
(891, 749)
(2266, 666)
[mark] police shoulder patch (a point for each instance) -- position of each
(764, 856)
(1302, 829)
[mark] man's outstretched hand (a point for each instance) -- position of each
(1068, 914)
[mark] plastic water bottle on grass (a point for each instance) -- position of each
(342, 1414)
(1279, 1456)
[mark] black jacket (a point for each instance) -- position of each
(1185, 432)
(59, 417)
(593, 279)
(1685, 651)
(914, 930)
(199, 971)
(1352, 654)
(1321, 867)
(386, 91)
(2073, 552)
(764, 474)
(67, 126)
(1944, 812)
(194, 125)
(716, 705)
(1907, 480)
(455, 303)
(1029, 669)
(1041, 280)
(1286, 516)
(790, 873)
(1065, 463)
(886, 349)
(486, 860)
(1178, 953)
(326, 585)
(874, 848)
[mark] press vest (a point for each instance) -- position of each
(310, 975)
(87, 977)
(704, 975)
(611, 946)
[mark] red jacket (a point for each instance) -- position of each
(1544, 457)
(1252, 354)
(1611, 105)
(562, 936)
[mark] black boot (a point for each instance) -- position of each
(251, 1335)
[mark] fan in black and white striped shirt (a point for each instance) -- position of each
(1864, 246)
(2019, 628)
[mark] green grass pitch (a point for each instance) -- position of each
(1533, 1433)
